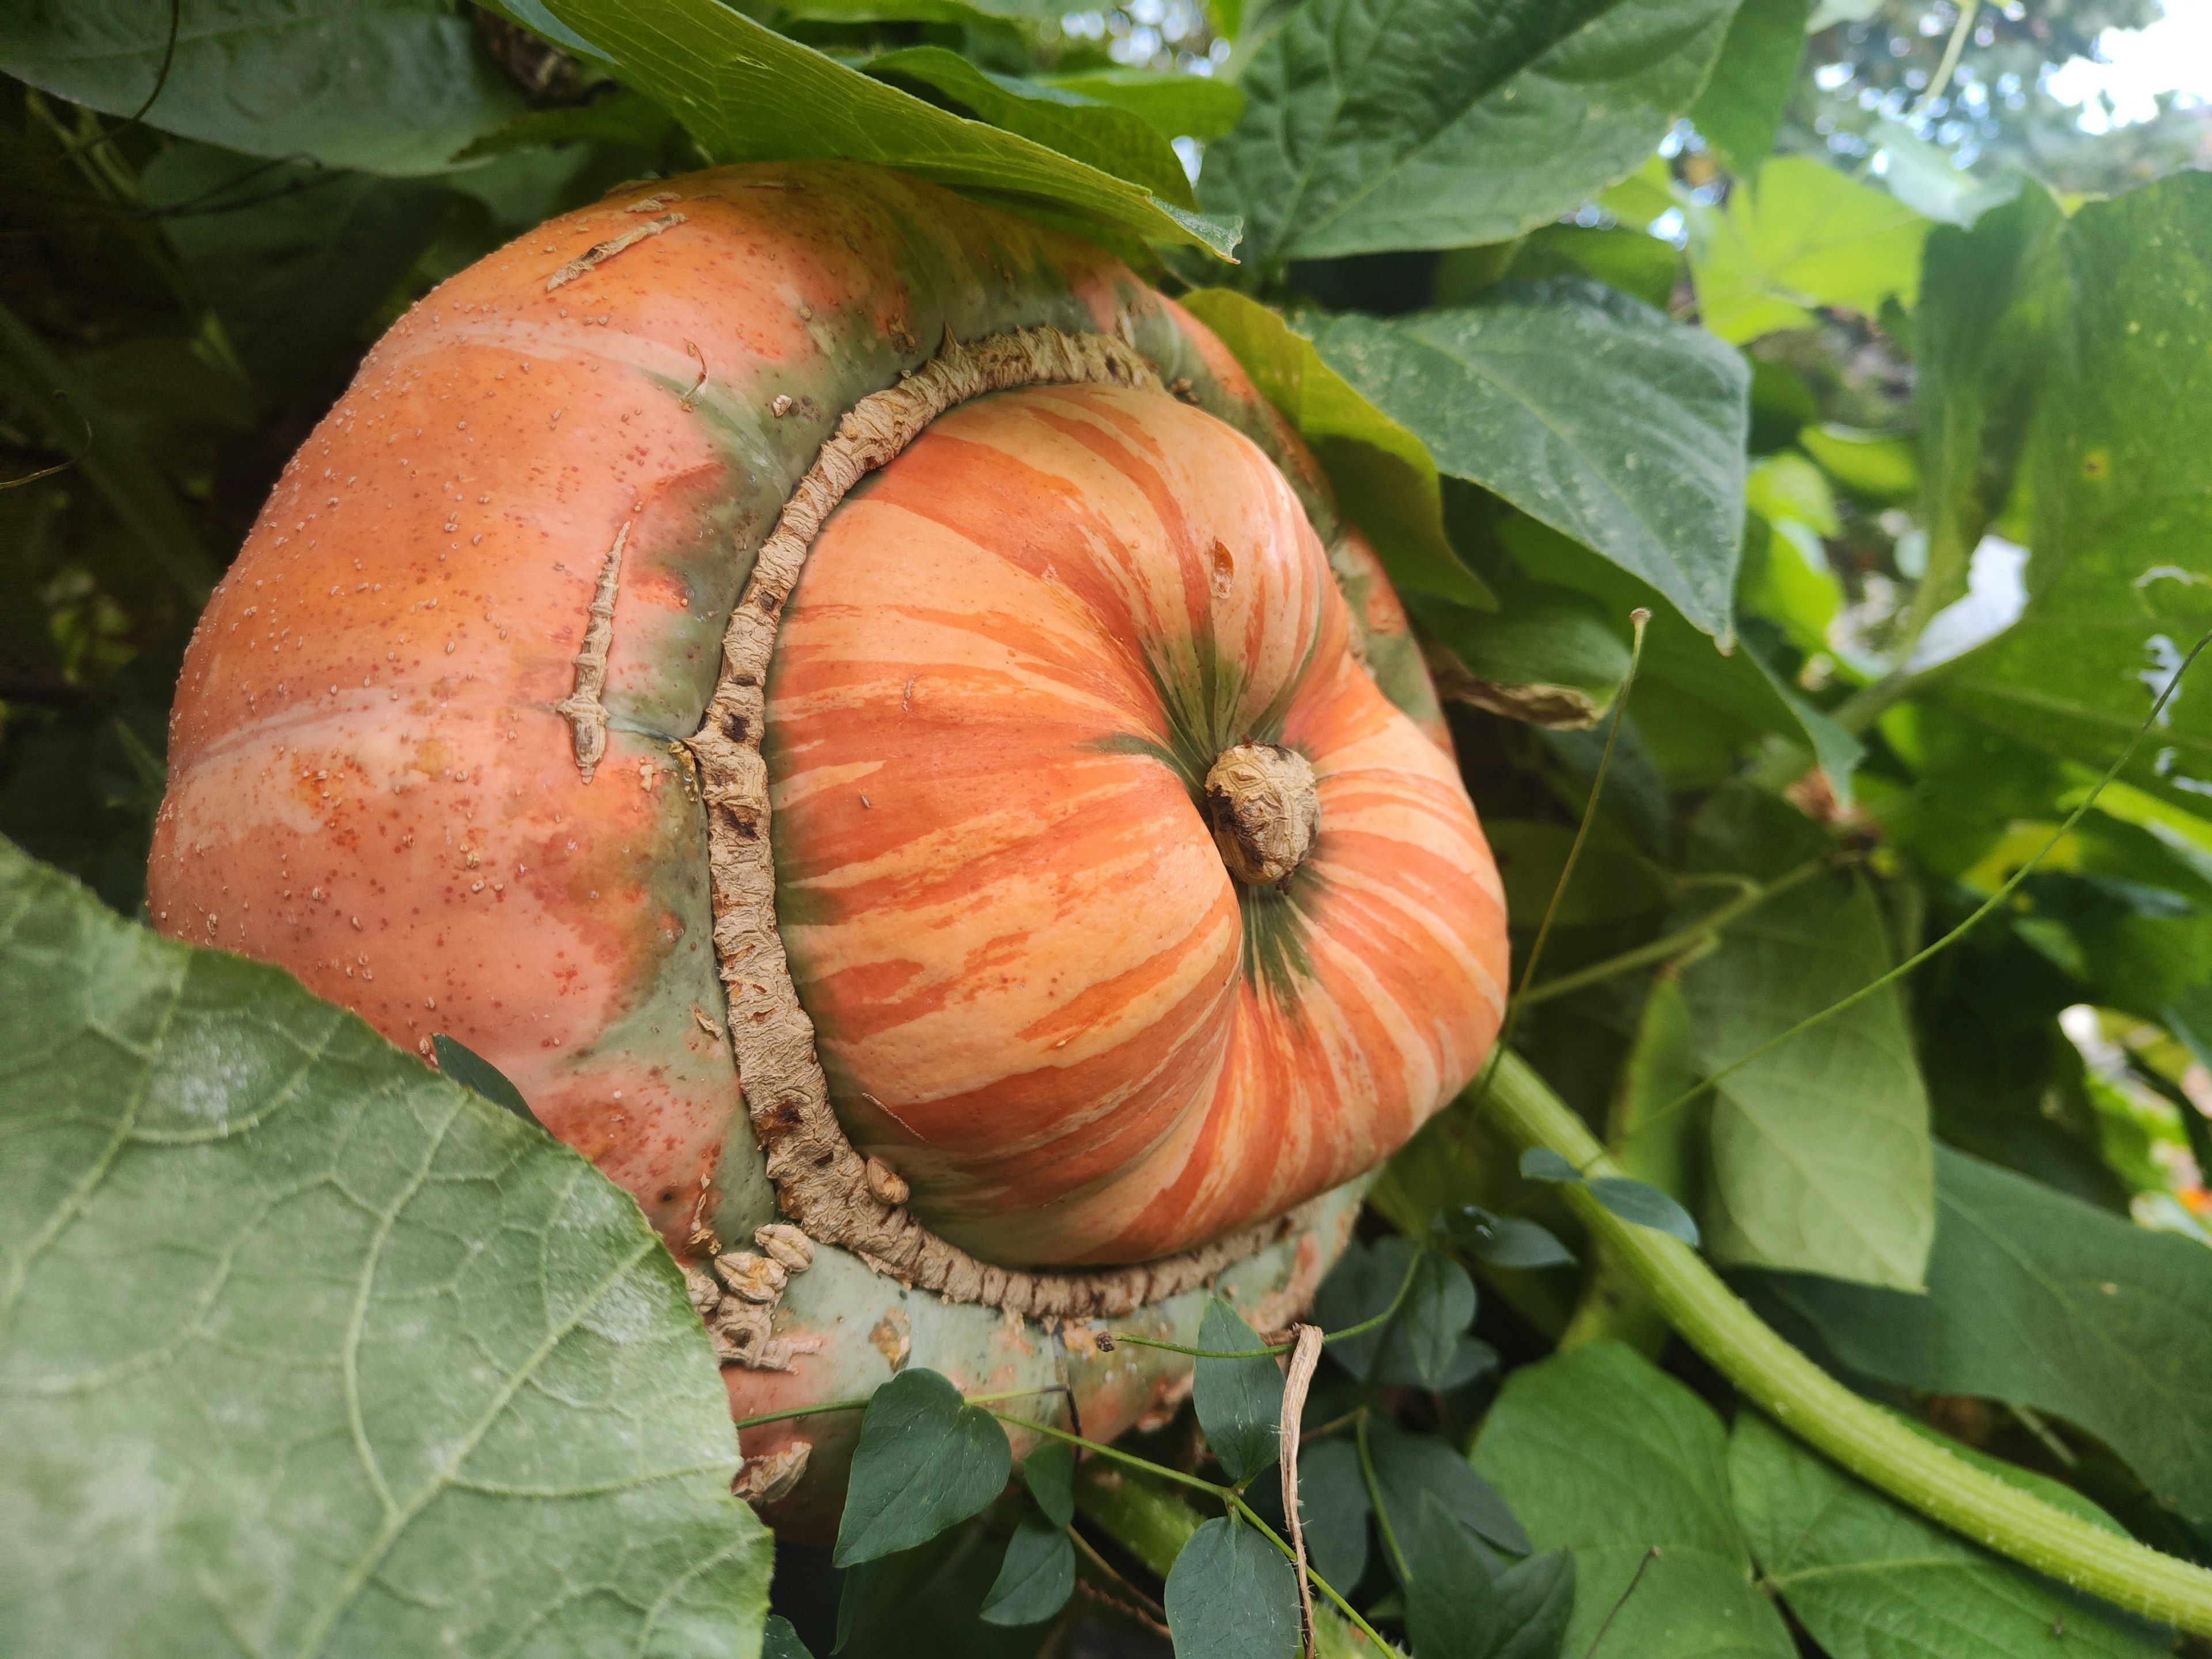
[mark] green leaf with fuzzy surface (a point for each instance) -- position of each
(388, 86)
(1586, 410)
(385, 1369)
(1821, 1157)
(1871, 1580)
(1449, 123)
(749, 94)
(2036, 1299)
(1601, 1454)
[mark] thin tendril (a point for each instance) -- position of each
(83, 450)
(161, 80)
(1956, 933)
(1397, 1302)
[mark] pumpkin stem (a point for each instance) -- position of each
(1265, 810)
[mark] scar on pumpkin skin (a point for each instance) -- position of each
(581, 708)
(600, 252)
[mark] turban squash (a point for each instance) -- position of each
(852, 701)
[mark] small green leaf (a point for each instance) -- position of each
(1646, 1206)
(1455, 1610)
(1542, 1163)
(1801, 234)
(852, 1600)
(780, 1641)
(1505, 1240)
(1871, 1580)
(1239, 1402)
(1049, 1473)
(926, 1461)
(1590, 412)
(1450, 122)
(1178, 105)
(1878, 468)
(1429, 1346)
(1741, 104)
(1361, 1287)
(1407, 1465)
(1230, 1594)
(473, 1071)
(748, 93)
(1037, 1578)
(1334, 1506)
(1549, 655)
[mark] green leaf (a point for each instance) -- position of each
(1542, 1163)
(1382, 473)
(1871, 1580)
(1429, 1346)
(1239, 1402)
(1112, 140)
(2036, 1299)
(1741, 104)
(1361, 1287)
(780, 1641)
(1037, 1577)
(1177, 105)
(1611, 882)
(1646, 1206)
(396, 1374)
(854, 1597)
(1505, 1240)
(621, 121)
(926, 1461)
(1230, 1594)
(1590, 413)
(1552, 656)
(1448, 123)
(293, 258)
(1049, 1473)
(1334, 1506)
(1601, 1454)
(474, 1073)
(1408, 1466)
(1820, 1149)
(2121, 581)
(1455, 1610)
(749, 94)
(1876, 467)
(1799, 236)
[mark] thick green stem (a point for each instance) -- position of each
(1812, 1405)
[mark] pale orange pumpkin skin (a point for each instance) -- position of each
(370, 783)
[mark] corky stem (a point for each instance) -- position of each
(1265, 810)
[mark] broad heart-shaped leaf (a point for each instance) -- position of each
(1821, 1157)
(1801, 235)
(1049, 1473)
(1113, 140)
(926, 1461)
(1588, 410)
(1601, 1454)
(1382, 472)
(1178, 105)
(293, 258)
(304, 1349)
(2037, 1299)
(1741, 104)
(389, 86)
(1871, 1580)
(2121, 581)
(748, 93)
(1037, 1577)
(1455, 1610)
(1230, 1594)
(1239, 1402)
(1447, 123)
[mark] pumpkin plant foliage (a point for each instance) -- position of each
(306, 1349)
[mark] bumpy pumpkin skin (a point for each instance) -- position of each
(370, 783)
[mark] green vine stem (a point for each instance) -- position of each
(1812, 1405)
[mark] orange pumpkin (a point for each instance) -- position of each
(793, 629)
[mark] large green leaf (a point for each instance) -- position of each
(748, 93)
(1820, 1152)
(1741, 104)
(1586, 410)
(1801, 235)
(1600, 1453)
(1113, 140)
(2036, 1299)
(293, 258)
(1382, 473)
(1871, 1580)
(390, 85)
(1179, 106)
(1446, 123)
(304, 1349)
(2121, 581)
